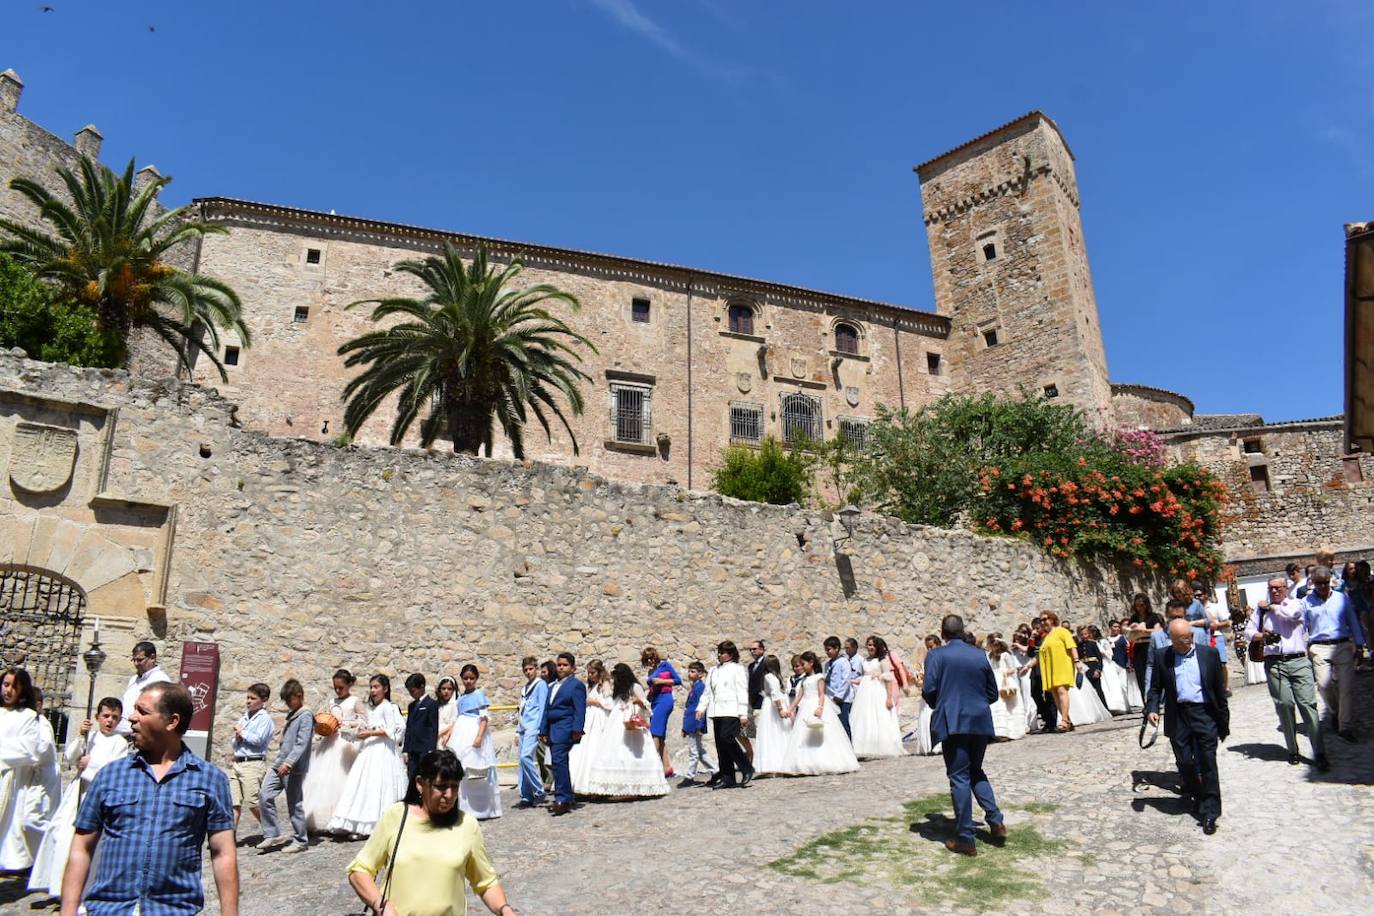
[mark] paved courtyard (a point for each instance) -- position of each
(1094, 828)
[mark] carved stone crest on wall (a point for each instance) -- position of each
(798, 365)
(42, 458)
(744, 381)
(851, 396)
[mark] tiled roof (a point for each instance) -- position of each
(1030, 115)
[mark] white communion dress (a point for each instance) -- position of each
(1113, 680)
(480, 793)
(772, 733)
(877, 733)
(377, 779)
(1008, 716)
(25, 745)
(330, 761)
(821, 748)
(626, 763)
(1085, 708)
(593, 730)
(51, 862)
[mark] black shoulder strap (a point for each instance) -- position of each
(391, 863)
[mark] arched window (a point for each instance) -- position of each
(42, 614)
(847, 338)
(801, 419)
(741, 318)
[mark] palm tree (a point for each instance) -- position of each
(473, 353)
(110, 249)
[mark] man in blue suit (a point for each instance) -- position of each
(561, 728)
(959, 686)
(422, 733)
(533, 698)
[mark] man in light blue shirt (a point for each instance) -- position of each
(1333, 631)
(252, 738)
(839, 680)
(1159, 639)
(1187, 678)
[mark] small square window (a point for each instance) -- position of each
(1259, 478)
(1253, 447)
(1051, 390)
(231, 356)
(990, 337)
(990, 251)
(302, 314)
(639, 311)
(741, 319)
(933, 363)
(312, 255)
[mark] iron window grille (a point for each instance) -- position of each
(632, 414)
(741, 319)
(801, 419)
(855, 432)
(639, 311)
(746, 423)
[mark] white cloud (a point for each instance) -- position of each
(631, 17)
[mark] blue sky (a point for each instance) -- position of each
(1220, 145)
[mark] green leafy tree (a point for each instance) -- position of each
(923, 467)
(54, 330)
(107, 249)
(473, 354)
(769, 474)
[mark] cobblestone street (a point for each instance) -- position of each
(1099, 831)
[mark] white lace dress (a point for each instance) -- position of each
(51, 862)
(1084, 706)
(330, 761)
(626, 762)
(1113, 680)
(377, 779)
(772, 733)
(1008, 716)
(1028, 707)
(877, 733)
(816, 750)
(593, 729)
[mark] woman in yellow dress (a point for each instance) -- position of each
(1058, 665)
(431, 849)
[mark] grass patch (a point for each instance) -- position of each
(907, 853)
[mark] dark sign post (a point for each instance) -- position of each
(200, 676)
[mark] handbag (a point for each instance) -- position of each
(390, 868)
(1256, 650)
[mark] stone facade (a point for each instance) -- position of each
(1143, 407)
(297, 557)
(1010, 266)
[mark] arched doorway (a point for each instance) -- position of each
(40, 630)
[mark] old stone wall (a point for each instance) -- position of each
(1309, 493)
(297, 557)
(1143, 407)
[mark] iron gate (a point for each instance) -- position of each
(40, 631)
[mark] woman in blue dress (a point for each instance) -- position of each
(479, 794)
(662, 679)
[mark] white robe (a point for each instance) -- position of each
(51, 861)
(25, 747)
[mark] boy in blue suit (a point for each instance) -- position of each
(959, 687)
(561, 728)
(533, 698)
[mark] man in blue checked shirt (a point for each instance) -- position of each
(839, 680)
(150, 813)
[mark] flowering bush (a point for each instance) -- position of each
(1142, 446)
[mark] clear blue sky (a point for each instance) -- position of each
(1220, 145)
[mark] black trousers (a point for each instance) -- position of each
(1195, 750)
(1045, 705)
(728, 751)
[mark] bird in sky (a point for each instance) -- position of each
(45, 9)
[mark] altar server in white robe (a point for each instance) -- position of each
(25, 744)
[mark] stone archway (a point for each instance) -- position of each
(41, 615)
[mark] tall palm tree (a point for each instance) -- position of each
(473, 354)
(109, 249)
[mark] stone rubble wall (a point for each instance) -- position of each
(297, 557)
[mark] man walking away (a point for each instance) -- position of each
(422, 732)
(1277, 624)
(1187, 679)
(533, 697)
(150, 813)
(959, 688)
(288, 773)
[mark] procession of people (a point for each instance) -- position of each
(359, 768)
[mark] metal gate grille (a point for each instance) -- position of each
(631, 414)
(801, 419)
(40, 631)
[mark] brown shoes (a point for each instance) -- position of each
(558, 808)
(963, 849)
(999, 834)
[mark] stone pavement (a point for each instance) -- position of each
(1093, 830)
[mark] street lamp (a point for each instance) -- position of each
(94, 657)
(848, 516)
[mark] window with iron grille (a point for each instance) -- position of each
(639, 311)
(632, 414)
(801, 419)
(854, 430)
(847, 338)
(746, 423)
(741, 319)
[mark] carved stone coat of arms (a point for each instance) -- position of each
(42, 458)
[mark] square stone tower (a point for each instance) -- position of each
(1010, 266)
